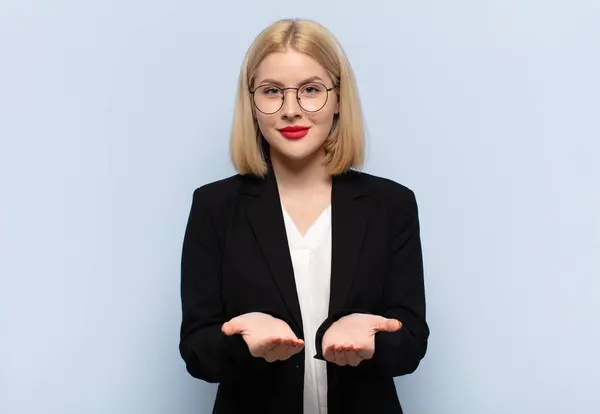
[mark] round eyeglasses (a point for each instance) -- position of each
(311, 97)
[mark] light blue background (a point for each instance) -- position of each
(112, 112)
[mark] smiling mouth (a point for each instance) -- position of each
(294, 132)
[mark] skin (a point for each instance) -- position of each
(304, 186)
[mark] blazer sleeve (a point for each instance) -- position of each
(403, 298)
(209, 354)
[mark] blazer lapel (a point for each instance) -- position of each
(266, 220)
(350, 217)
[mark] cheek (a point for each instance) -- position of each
(323, 119)
(264, 123)
(327, 114)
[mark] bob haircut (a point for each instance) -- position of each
(345, 144)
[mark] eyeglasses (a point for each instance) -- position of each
(311, 97)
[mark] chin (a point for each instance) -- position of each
(297, 154)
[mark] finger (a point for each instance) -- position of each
(329, 354)
(280, 352)
(294, 343)
(387, 325)
(288, 341)
(271, 349)
(353, 357)
(285, 349)
(365, 353)
(351, 354)
(296, 346)
(275, 343)
(258, 348)
(270, 356)
(285, 353)
(291, 349)
(340, 356)
(282, 345)
(231, 328)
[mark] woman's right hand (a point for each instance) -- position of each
(267, 337)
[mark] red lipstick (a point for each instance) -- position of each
(294, 131)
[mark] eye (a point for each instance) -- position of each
(269, 91)
(312, 89)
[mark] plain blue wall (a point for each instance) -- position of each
(112, 112)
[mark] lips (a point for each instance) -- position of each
(294, 131)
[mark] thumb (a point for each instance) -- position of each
(388, 325)
(231, 328)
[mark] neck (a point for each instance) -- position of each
(301, 175)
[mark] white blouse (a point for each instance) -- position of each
(311, 260)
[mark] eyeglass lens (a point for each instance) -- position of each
(311, 97)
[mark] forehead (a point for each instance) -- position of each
(289, 68)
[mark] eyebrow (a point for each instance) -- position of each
(277, 83)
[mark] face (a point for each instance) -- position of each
(298, 130)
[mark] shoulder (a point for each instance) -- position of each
(388, 193)
(217, 195)
(220, 188)
(394, 202)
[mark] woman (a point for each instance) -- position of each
(302, 279)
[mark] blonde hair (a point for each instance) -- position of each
(345, 145)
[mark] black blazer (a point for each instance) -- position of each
(236, 260)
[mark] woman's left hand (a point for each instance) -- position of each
(351, 339)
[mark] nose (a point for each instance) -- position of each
(291, 108)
